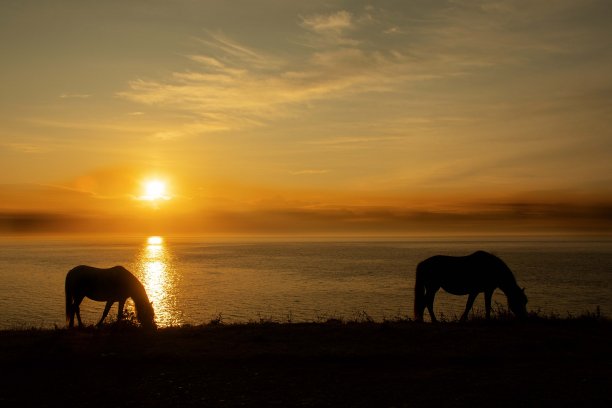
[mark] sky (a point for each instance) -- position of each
(306, 117)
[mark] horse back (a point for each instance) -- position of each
(461, 275)
(101, 284)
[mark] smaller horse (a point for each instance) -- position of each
(109, 285)
(466, 275)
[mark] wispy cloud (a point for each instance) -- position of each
(309, 172)
(358, 140)
(236, 86)
(232, 85)
(28, 148)
(322, 23)
(233, 51)
(74, 96)
(85, 125)
(190, 129)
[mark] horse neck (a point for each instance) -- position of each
(139, 295)
(507, 283)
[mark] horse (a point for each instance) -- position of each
(108, 285)
(466, 275)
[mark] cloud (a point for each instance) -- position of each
(363, 140)
(335, 22)
(309, 172)
(191, 129)
(231, 50)
(393, 30)
(28, 148)
(508, 218)
(242, 88)
(85, 125)
(74, 96)
(235, 86)
(334, 57)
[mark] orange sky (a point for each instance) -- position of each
(318, 117)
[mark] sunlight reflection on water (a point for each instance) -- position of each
(156, 270)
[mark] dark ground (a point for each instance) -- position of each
(556, 363)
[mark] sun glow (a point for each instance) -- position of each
(155, 240)
(155, 190)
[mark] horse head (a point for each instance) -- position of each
(517, 301)
(146, 316)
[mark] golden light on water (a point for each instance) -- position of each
(160, 279)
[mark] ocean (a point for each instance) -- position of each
(196, 280)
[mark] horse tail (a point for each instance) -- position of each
(419, 294)
(68, 293)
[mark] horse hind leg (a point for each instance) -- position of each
(71, 305)
(105, 313)
(468, 306)
(70, 315)
(70, 312)
(75, 309)
(429, 302)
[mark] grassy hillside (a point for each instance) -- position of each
(543, 362)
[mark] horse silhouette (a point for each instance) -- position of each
(109, 285)
(466, 275)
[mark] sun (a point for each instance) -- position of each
(155, 190)
(155, 240)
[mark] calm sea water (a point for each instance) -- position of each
(196, 280)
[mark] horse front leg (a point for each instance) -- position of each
(468, 306)
(120, 311)
(488, 294)
(105, 313)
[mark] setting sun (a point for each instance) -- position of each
(155, 190)
(155, 240)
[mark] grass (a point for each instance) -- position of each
(499, 313)
(548, 360)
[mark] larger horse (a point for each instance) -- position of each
(466, 275)
(109, 285)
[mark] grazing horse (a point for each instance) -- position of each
(466, 275)
(110, 285)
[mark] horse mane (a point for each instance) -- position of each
(508, 276)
